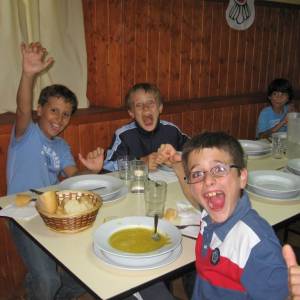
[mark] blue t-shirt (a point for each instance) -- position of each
(268, 119)
(35, 161)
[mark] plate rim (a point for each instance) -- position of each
(284, 174)
(83, 176)
(115, 252)
(168, 260)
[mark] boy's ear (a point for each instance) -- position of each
(160, 108)
(244, 178)
(131, 114)
(39, 110)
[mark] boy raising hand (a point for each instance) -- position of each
(36, 147)
(36, 159)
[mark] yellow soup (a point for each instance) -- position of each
(137, 240)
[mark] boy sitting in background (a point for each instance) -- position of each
(238, 255)
(36, 157)
(141, 138)
(273, 118)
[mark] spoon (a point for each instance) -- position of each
(155, 235)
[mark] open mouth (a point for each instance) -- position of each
(215, 200)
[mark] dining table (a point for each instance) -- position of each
(74, 251)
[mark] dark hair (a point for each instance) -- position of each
(281, 85)
(219, 140)
(59, 91)
(148, 88)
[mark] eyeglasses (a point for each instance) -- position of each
(146, 105)
(219, 170)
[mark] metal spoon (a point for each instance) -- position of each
(155, 235)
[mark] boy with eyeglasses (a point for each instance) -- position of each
(141, 138)
(238, 255)
(273, 118)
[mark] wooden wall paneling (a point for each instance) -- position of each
(153, 42)
(175, 59)
(186, 44)
(129, 46)
(224, 70)
(252, 120)
(187, 122)
(196, 50)
(266, 50)
(217, 121)
(240, 62)
(101, 50)
(226, 119)
(198, 122)
(235, 119)
(102, 135)
(215, 53)
(288, 42)
(114, 66)
(274, 16)
(232, 61)
(258, 26)
(208, 119)
(71, 135)
(164, 49)
(295, 53)
(177, 119)
(281, 40)
(141, 46)
(249, 59)
(206, 49)
(244, 118)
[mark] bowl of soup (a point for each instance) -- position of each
(129, 241)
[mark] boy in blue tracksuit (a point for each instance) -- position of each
(141, 138)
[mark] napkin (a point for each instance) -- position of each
(25, 213)
(188, 216)
(166, 176)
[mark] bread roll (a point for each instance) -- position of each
(22, 199)
(47, 202)
(170, 214)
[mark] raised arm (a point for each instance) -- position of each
(33, 63)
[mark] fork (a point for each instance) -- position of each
(184, 226)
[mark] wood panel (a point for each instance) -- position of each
(187, 48)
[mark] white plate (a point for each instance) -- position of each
(255, 147)
(165, 168)
(171, 258)
(273, 199)
(293, 165)
(116, 197)
(112, 184)
(104, 231)
(274, 184)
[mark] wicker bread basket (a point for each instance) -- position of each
(72, 223)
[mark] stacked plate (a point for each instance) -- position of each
(110, 188)
(136, 261)
(293, 166)
(255, 148)
(274, 185)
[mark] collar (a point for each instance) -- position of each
(147, 133)
(221, 229)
